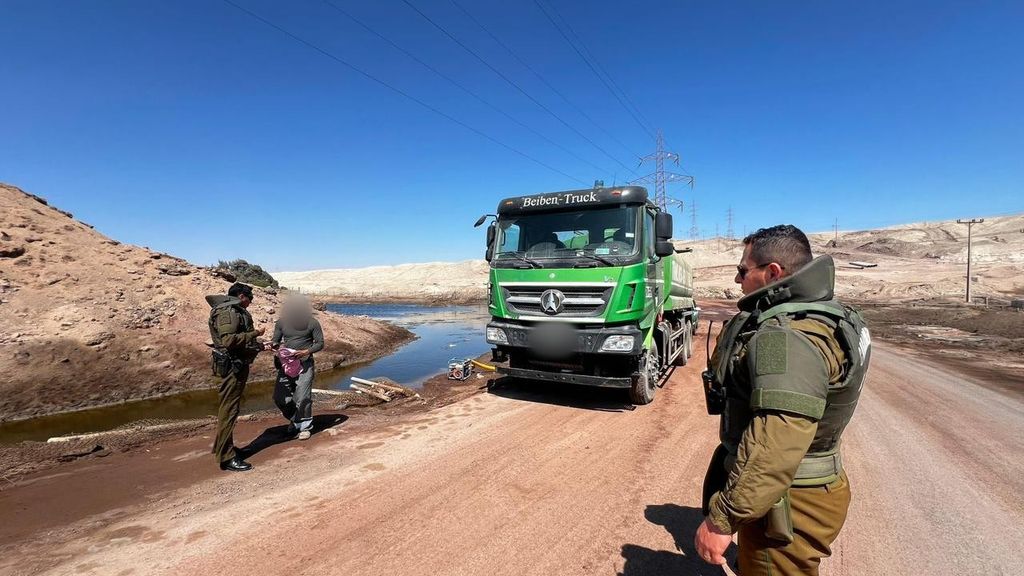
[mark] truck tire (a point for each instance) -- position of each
(689, 340)
(645, 382)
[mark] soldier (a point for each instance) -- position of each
(235, 347)
(786, 375)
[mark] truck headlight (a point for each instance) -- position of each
(496, 335)
(618, 343)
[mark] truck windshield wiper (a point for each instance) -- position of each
(524, 259)
(600, 259)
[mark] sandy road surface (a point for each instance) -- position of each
(529, 481)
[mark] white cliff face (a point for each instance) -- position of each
(432, 281)
(915, 261)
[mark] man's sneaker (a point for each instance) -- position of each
(304, 435)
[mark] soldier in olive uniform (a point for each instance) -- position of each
(235, 347)
(785, 376)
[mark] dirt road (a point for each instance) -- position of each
(526, 480)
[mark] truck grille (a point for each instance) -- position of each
(579, 302)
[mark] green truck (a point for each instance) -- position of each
(585, 287)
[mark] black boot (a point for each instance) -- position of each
(236, 464)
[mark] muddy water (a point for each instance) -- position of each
(442, 333)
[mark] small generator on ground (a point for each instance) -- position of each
(460, 368)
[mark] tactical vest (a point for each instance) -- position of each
(225, 320)
(779, 357)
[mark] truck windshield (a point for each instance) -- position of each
(593, 237)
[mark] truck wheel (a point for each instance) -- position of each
(689, 340)
(642, 390)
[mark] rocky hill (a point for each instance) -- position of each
(86, 320)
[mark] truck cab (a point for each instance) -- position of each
(585, 287)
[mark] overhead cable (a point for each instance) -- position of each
(400, 92)
(544, 80)
(633, 114)
(514, 85)
(458, 85)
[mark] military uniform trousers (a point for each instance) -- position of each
(231, 389)
(818, 514)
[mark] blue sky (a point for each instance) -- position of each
(193, 128)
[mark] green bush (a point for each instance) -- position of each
(248, 273)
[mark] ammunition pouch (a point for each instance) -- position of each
(819, 469)
(223, 363)
(779, 521)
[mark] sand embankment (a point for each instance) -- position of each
(86, 320)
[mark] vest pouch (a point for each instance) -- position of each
(222, 364)
(779, 521)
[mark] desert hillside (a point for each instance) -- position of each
(923, 262)
(441, 282)
(86, 320)
(916, 262)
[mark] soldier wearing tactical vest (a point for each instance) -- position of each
(235, 347)
(785, 376)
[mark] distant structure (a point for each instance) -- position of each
(694, 229)
(969, 223)
(729, 233)
(660, 178)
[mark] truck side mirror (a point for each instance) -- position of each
(664, 248)
(663, 226)
(491, 233)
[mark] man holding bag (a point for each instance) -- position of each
(297, 336)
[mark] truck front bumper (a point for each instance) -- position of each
(586, 380)
(557, 339)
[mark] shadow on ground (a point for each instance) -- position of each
(560, 394)
(681, 522)
(279, 434)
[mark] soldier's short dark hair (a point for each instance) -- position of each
(238, 289)
(784, 244)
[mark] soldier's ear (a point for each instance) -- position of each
(775, 271)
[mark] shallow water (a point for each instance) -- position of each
(442, 333)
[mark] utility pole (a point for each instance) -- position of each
(729, 234)
(660, 178)
(835, 228)
(718, 239)
(970, 223)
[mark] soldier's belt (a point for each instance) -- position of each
(818, 469)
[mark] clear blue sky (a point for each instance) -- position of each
(190, 127)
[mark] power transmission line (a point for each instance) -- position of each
(461, 87)
(401, 92)
(633, 114)
(544, 80)
(513, 84)
(597, 63)
(729, 234)
(694, 229)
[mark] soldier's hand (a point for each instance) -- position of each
(710, 543)
(260, 331)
